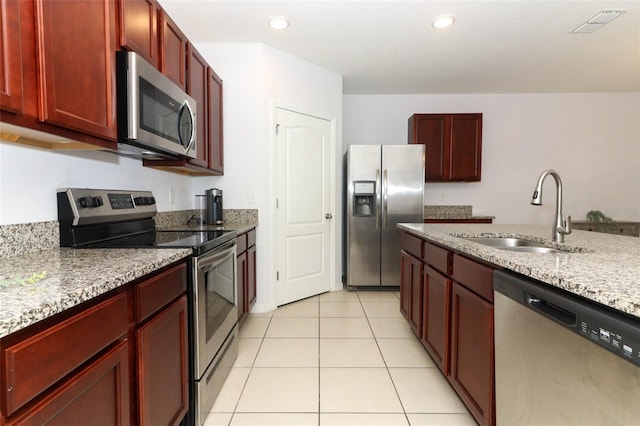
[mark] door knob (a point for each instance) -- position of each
(328, 216)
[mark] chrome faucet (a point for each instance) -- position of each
(561, 226)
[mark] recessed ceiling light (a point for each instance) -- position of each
(443, 21)
(278, 23)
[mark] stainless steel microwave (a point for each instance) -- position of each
(156, 118)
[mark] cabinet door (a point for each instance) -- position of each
(466, 147)
(472, 355)
(432, 130)
(416, 296)
(10, 57)
(163, 393)
(173, 51)
(97, 395)
(216, 140)
(242, 285)
(76, 65)
(197, 89)
(251, 277)
(139, 28)
(411, 291)
(436, 316)
(405, 284)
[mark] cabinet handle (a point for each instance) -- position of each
(328, 216)
(564, 317)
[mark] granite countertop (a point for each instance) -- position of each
(38, 279)
(38, 285)
(234, 220)
(600, 267)
(451, 213)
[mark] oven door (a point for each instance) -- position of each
(215, 310)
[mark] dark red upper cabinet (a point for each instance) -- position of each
(76, 65)
(10, 57)
(139, 28)
(173, 50)
(197, 82)
(216, 142)
(453, 145)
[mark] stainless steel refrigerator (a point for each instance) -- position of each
(384, 187)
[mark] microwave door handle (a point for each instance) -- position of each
(186, 108)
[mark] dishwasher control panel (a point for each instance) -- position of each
(607, 328)
(609, 335)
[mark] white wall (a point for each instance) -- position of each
(257, 79)
(592, 140)
(29, 178)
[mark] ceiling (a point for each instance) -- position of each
(390, 47)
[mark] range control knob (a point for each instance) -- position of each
(139, 201)
(151, 200)
(89, 201)
(85, 202)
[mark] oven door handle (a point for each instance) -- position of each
(207, 262)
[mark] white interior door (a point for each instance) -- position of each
(304, 206)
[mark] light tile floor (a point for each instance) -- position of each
(337, 359)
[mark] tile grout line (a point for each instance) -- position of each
(244, 385)
(386, 366)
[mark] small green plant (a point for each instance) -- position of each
(597, 216)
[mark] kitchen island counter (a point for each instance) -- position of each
(38, 285)
(600, 267)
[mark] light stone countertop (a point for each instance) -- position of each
(234, 220)
(451, 213)
(38, 279)
(38, 285)
(601, 267)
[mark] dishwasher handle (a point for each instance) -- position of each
(549, 310)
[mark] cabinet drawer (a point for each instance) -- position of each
(34, 364)
(99, 395)
(158, 291)
(411, 244)
(438, 258)
(241, 243)
(251, 238)
(475, 276)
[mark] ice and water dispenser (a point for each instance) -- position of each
(364, 198)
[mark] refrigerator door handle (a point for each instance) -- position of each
(385, 198)
(378, 199)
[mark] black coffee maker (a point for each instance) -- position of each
(214, 206)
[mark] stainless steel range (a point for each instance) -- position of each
(97, 218)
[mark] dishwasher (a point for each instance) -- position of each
(561, 359)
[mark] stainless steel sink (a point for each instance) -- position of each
(532, 249)
(514, 244)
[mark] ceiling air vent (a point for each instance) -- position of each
(600, 19)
